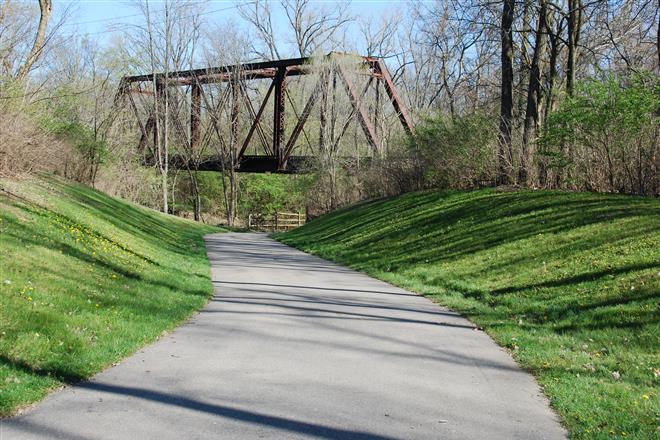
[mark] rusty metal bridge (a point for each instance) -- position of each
(278, 145)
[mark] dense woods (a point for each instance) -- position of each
(534, 94)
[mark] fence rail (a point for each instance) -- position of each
(278, 222)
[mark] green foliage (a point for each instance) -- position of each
(259, 193)
(210, 190)
(454, 152)
(209, 184)
(11, 92)
(610, 125)
(568, 282)
(86, 280)
(61, 118)
(269, 193)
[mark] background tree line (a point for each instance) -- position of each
(539, 94)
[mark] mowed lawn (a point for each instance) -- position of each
(568, 282)
(85, 280)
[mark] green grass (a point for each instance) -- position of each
(85, 280)
(568, 282)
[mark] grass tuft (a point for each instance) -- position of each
(85, 280)
(569, 283)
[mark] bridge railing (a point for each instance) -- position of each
(278, 222)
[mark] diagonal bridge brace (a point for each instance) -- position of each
(280, 147)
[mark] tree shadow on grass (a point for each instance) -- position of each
(22, 232)
(60, 374)
(37, 229)
(577, 279)
(173, 235)
(70, 222)
(434, 226)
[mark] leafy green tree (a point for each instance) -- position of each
(605, 137)
(61, 119)
(268, 193)
(455, 152)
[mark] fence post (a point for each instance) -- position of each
(249, 221)
(276, 222)
(299, 219)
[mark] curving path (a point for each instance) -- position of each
(292, 346)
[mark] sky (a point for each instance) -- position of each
(99, 17)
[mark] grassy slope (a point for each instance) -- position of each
(85, 280)
(570, 283)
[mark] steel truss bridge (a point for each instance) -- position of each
(142, 93)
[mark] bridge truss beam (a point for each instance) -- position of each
(278, 150)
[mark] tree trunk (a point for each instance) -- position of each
(46, 10)
(524, 61)
(166, 112)
(233, 149)
(194, 189)
(198, 206)
(531, 126)
(225, 194)
(553, 40)
(323, 110)
(574, 26)
(506, 100)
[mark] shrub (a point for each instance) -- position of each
(444, 153)
(605, 138)
(269, 193)
(26, 148)
(61, 119)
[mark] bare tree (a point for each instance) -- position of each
(46, 10)
(17, 27)
(534, 94)
(165, 43)
(161, 138)
(314, 24)
(226, 112)
(572, 41)
(27, 35)
(258, 14)
(506, 98)
(555, 23)
(379, 37)
(416, 72)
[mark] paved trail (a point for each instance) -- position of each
(295, 347)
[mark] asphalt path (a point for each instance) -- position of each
(293, 346)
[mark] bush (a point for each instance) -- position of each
(46, 135)
(262, 194)
(444, 153)
(605, 138)
(131, 181)
(209, 185)
(61, 119)
(268, 193)
(25, 148)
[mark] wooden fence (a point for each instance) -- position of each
(278, 222)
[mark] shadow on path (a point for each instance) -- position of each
(285, 424)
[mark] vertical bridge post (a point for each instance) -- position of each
(278, 155)
(195, 114)
(278, 116)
